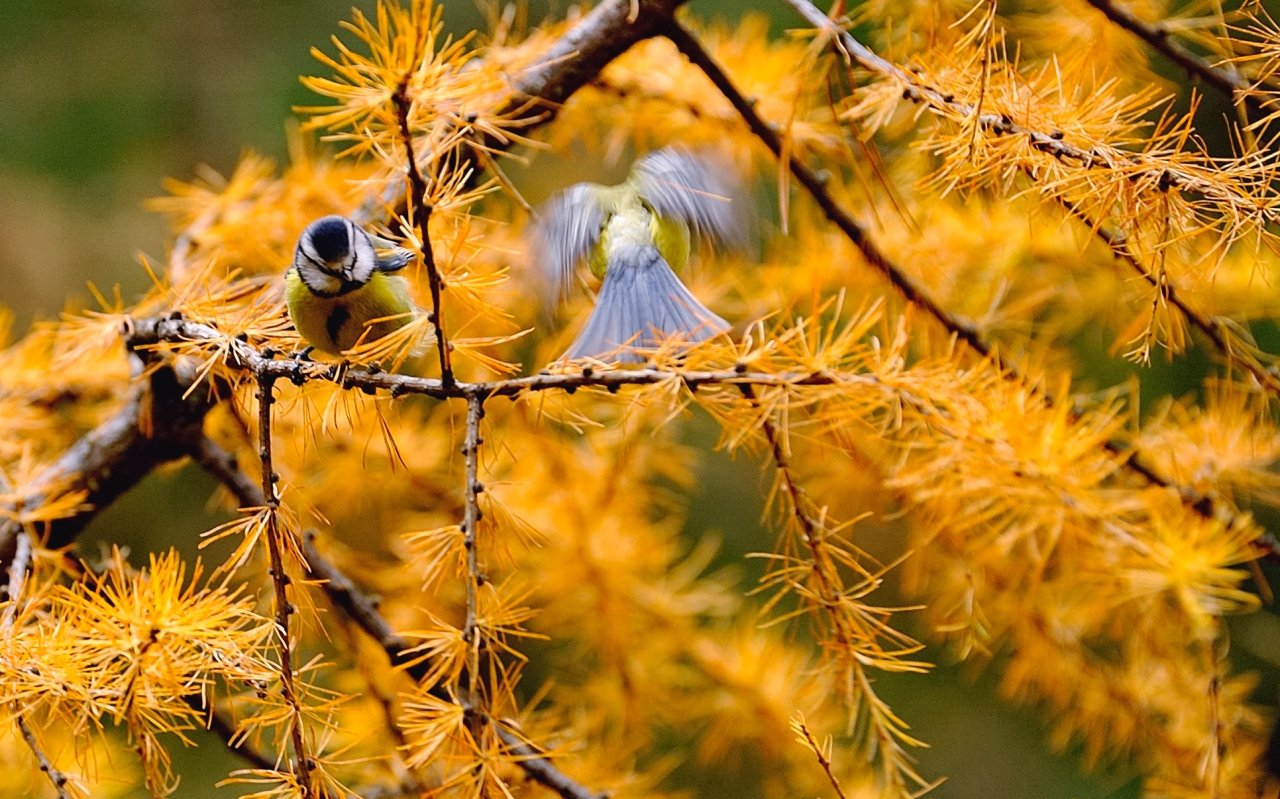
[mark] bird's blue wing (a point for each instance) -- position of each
(567, 227)
(702, 191)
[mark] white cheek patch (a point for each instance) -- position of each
(319, 281)
(309, 252)
(364, 260)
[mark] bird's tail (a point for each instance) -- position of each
(641, 303)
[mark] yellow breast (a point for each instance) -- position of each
(335, 324)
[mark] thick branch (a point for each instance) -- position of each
(114, 456)
(578, 56)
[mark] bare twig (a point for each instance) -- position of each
(280, 579)
(17, 577)
(917, 294)
(470, 523)
(58, 779)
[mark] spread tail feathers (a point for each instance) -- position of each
(641, 302)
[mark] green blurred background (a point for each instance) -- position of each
(101, 99)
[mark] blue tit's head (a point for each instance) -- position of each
(334, 256)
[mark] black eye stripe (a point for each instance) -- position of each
(317, 264)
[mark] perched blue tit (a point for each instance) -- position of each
(338, 284)
(633, 236)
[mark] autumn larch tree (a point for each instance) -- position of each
(949, 201)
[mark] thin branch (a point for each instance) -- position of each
(1215, 747)
(245, 357)
(421, 210)
(812, 532)
(536, 764)
(1159, 36)
(408, 777)
(280, 579)
(225, 468)
(17, 577)
(893, 759)
(767, 132)
(1214, 328)
(58, 779)
(800, 726)
(224, 729)
(363, 610)
(1157, 170)
(912, 290)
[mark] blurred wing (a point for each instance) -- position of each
(697, 190)
(568, 226)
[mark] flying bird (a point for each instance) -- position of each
(633, 237)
